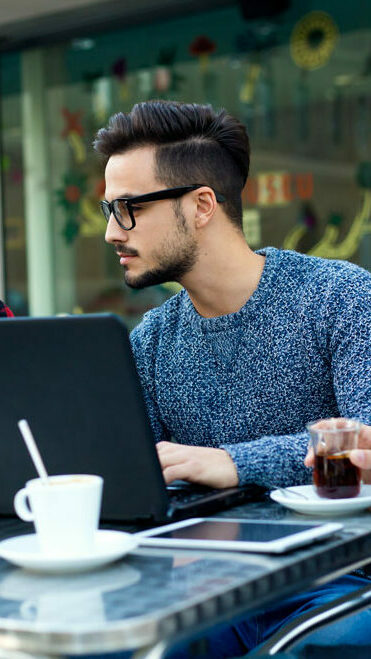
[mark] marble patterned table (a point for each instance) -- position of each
(153, 598)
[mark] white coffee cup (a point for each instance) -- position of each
(65, 512)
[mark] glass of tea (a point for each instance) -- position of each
(334, 475)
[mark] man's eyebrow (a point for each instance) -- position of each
(128, 195)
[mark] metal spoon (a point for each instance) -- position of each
(286, 491)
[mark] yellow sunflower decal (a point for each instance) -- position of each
(313, 39)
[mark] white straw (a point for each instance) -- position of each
(32, 449)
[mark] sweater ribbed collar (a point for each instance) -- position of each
(229, 321)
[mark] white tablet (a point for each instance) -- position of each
(269, 537)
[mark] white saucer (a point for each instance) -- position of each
(316, 505)
(24, 551)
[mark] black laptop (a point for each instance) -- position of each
(74, 379)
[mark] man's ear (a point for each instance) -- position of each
(206, 207)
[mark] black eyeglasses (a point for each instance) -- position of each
(123, 208)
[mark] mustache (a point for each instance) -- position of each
(126, 251)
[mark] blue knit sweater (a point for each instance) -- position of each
(248, 382)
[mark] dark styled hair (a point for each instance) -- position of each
(194, 144)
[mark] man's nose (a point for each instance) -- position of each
(114, 233)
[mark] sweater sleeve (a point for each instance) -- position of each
(350, 348)
(144, 354)
(343, 332)
(272, 460)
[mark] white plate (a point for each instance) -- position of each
(24, 551)
(318, 506)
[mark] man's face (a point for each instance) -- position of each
(162, 246)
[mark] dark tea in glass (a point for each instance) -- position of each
(335, 476)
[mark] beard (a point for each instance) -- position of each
(177, 256)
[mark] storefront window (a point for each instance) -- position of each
(12, 185)
(300, 81)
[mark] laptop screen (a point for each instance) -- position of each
(74, 379)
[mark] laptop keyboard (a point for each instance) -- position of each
(184, 497)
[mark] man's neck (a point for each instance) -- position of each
(224, 279)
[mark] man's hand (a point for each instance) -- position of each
(361, 456)
(197, 464)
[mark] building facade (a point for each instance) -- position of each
(300, 79)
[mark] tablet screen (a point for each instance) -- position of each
(245, 531)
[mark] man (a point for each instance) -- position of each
(5, 311)
(361, 457)
(257, 344)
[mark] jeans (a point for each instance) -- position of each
(236, 640)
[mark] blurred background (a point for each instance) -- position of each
(297, 73)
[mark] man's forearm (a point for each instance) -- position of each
(272, 460)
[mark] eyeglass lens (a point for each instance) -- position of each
(121, 213)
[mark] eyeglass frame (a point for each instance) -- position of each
(108, 209)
